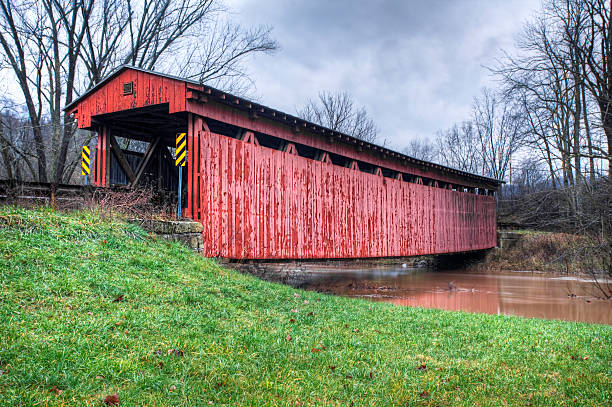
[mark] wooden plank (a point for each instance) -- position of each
(145, 161)
(223, 181)
(251, 201)
(125, 166)
(107, 158)
(215, 196)
(239, 203)
(98, 164)
(230, 203)
(190, 152)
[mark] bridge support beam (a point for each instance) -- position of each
(102, 169)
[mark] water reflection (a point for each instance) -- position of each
(523, 294)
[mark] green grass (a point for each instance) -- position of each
(65, 341)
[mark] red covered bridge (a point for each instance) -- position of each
(268, 185)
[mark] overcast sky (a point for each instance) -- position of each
(415, 65)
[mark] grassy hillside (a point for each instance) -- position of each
(91, 308)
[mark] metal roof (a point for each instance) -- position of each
(257, 109)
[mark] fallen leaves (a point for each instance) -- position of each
(332, 368)
(112, 400)
(424, 394)
(288, 337)
(422, 367)
(120, 298)
(291, 321)
(172, 388)
(56, 390)
(176, 352)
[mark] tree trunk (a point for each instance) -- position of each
(549, 162)
(60, 163)
(608, 131)
(587, 130)
(6, 152)
(606, 119)
(577, 117)
(41, 155)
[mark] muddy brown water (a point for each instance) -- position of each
(524, 294)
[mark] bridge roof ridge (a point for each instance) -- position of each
(276, 115)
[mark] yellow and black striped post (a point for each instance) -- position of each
(85, 162)
(181, 158)
(181, 150)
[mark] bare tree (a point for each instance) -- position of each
(56, 49)
(458, 147)
(499, 131)
(530, 176)
(337, 111)
(595, 49)
(421, 149)
(564, 74)
(15, 142)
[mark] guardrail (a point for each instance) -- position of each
(47, 193)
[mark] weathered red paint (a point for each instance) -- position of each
(101, 162)
(241, 119)
(148, 90)
(260, 203)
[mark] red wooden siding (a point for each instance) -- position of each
(148, 90)
(100, 179)
(241, 119)
(260, 203)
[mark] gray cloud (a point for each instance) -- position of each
(415, 65)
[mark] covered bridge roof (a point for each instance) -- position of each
(193, 90)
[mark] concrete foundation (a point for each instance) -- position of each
(185, 231)
(507, 239)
